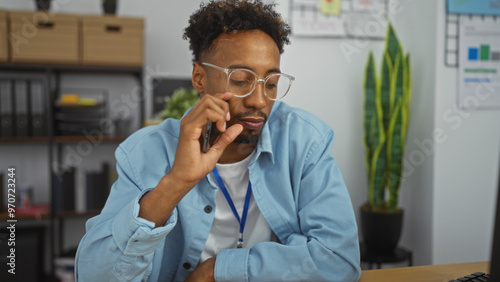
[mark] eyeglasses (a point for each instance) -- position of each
(242, 82)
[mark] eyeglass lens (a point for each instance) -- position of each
(241, 82)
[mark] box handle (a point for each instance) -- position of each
(45, 25)
(113, 28)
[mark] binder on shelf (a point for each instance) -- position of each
(95, 190)
(37, 109)
(98, 187)
(64, 188)
(21, 108)
(6, 109)
(1, 193)
(80, 190)
(91, 181)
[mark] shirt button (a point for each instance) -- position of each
(186, 265)
(208, 209)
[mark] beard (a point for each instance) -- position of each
(247, 136)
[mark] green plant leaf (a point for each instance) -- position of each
(378, 160)
(392, 45)
(406, 95)
(395, 143)
(181, 100)
(377, 182)
(397, 93)
(370, 89)
(385, 89)
(397, 80)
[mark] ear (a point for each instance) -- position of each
(198, 78)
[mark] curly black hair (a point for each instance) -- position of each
(231, 16)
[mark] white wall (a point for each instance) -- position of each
(438, 185)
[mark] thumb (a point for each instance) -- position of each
(225, 139)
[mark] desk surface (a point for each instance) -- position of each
(430, 273)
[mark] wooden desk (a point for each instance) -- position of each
(429, 273)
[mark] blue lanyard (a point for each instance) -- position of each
(243, 219)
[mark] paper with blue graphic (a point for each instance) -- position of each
(479, 63)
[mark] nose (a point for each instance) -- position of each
(256, 100)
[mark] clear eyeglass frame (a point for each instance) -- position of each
(264, 80)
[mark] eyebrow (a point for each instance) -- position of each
(273, 70)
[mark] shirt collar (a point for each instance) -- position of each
(265, 144)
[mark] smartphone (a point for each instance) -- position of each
(207, 131)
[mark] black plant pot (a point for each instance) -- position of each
(381, 230)
(109, 8)
(42, 5)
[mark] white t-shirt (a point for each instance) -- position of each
(225, 227)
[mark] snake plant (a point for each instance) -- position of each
(386, 113)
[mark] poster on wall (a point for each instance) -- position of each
(309, 18)
(339, 18)
(479, 63)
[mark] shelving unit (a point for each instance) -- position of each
(51, 75)
(76, 139)
(24, 140)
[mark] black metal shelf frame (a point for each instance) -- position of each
(50, 75)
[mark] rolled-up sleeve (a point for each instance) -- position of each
(231, 265)
(138, 236)
(118, 244)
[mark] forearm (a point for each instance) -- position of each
(158, 204)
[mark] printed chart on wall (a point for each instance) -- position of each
(479, 63)
(339, 18)
(478, 52)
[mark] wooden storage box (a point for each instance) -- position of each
(3, 36)
(40, 37)
(112, 41)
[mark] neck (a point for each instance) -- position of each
(236, 152)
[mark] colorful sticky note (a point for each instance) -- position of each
(330, 7)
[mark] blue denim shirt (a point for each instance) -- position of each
(296, 184)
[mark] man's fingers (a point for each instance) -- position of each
(224, 96)
(225, 139)
(211, 108)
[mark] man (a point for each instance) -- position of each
(266, 202)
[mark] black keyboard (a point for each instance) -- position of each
(474, 277)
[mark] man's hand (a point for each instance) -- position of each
(191, 164)
(204, 272)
